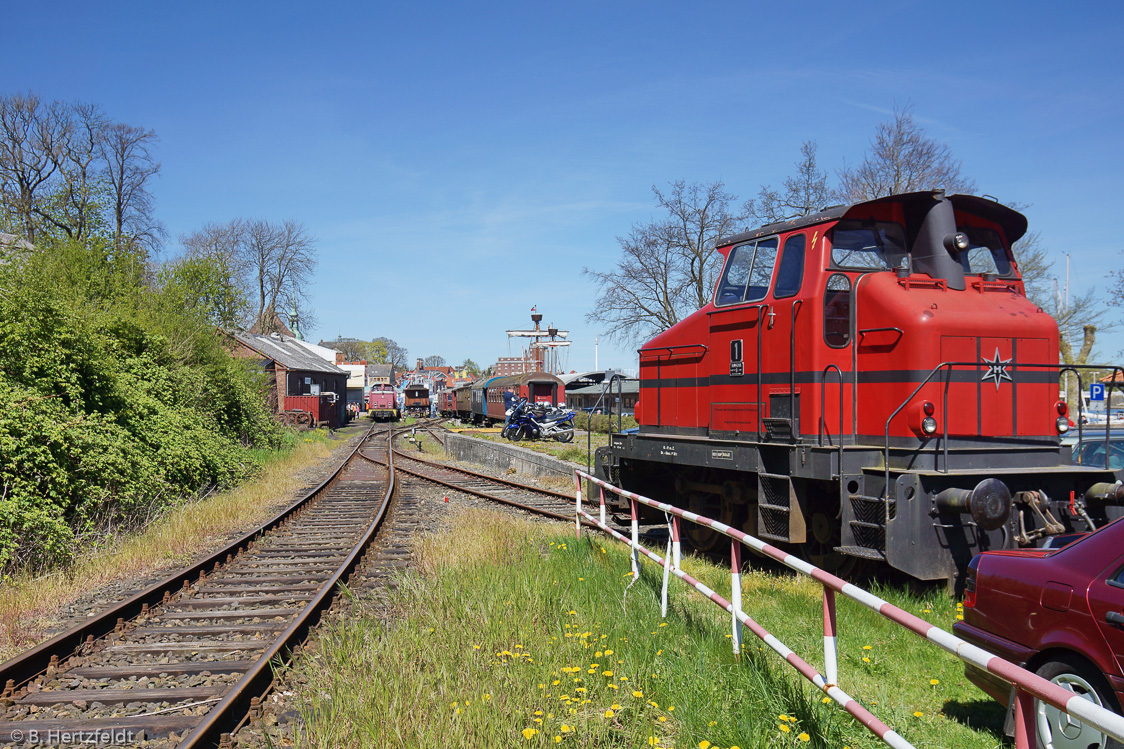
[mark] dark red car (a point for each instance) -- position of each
(1058, 612)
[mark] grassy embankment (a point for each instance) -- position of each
(511, 633)
(180, 533)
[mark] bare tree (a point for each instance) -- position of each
(29, 135)
(281, 259)
(902, 158)
(1078, 317)
(396, 355)
(130, 167)
(669, 266)
(434, 361)
(803, 194)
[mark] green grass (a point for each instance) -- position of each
(511, 633)
(574, 452)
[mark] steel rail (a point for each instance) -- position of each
(477, 492)
(235, 706)
(23, 668)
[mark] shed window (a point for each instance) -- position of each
(749, 270)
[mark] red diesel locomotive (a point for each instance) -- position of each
(868, 383)
(382, 403)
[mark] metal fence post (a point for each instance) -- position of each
(635, 507)
(602, 504)
(578, 506)
(736, 591)
(676, 547)
(1026, 732)
(830, 654)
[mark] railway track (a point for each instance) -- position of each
(189, 659)
(533, 499)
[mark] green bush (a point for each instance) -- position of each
(111, 405)
(602, 423)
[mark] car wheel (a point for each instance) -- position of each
(1056, 730)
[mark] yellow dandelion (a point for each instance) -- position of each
(782, 716)
(662, 719)
(959, 617)
(529, 733)
(580, 689)
(917, 714)
(539, 721)
(671, 708)
(609, 713)
(825, 700)
(712, 723)
(804, 737)
(538, 712)
(607, 652)
(934, 682)
(608, 674)
(784, 728)
(556, 682)
(615, 706)
(458, 711)
(663, 624)
(704, 744)
(866, 647)
(866, 660)
(565, 728)
(598, 654)
(659, 652)
(637, 693)
(557, 739)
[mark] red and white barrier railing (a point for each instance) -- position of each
(1028, 686)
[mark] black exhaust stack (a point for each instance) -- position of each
(937, 245)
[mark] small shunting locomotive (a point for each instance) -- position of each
(868, 384)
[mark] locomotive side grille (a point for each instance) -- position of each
(773, 507)
(869, 535)
(868, 509)
(869, 524)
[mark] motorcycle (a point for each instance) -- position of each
(525, 421)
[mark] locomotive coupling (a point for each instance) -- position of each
(989, 503)
(1106, 493)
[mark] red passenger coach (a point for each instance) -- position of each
(536, 387)
(868, 383)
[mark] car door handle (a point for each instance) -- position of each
(1114, 617)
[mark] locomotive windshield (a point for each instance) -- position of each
(985, 253)
(749, 271)
(867, 245)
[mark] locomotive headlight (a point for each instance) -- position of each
(928, 425)
(957, 242)
(1062, 424)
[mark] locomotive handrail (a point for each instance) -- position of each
(823, 403)
(975, 365)
(797, 305)
(1027, 685)
(854, 344)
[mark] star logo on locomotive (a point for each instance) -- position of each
(996, 370)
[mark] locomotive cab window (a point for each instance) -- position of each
(748, 273)
(867, 245)
(837, 311)
(790, 275)
(985, 253)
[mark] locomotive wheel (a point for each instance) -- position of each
(708, 505)
(819, 549)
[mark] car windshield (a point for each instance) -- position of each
(867, 245)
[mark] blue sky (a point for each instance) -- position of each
(461, 162)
